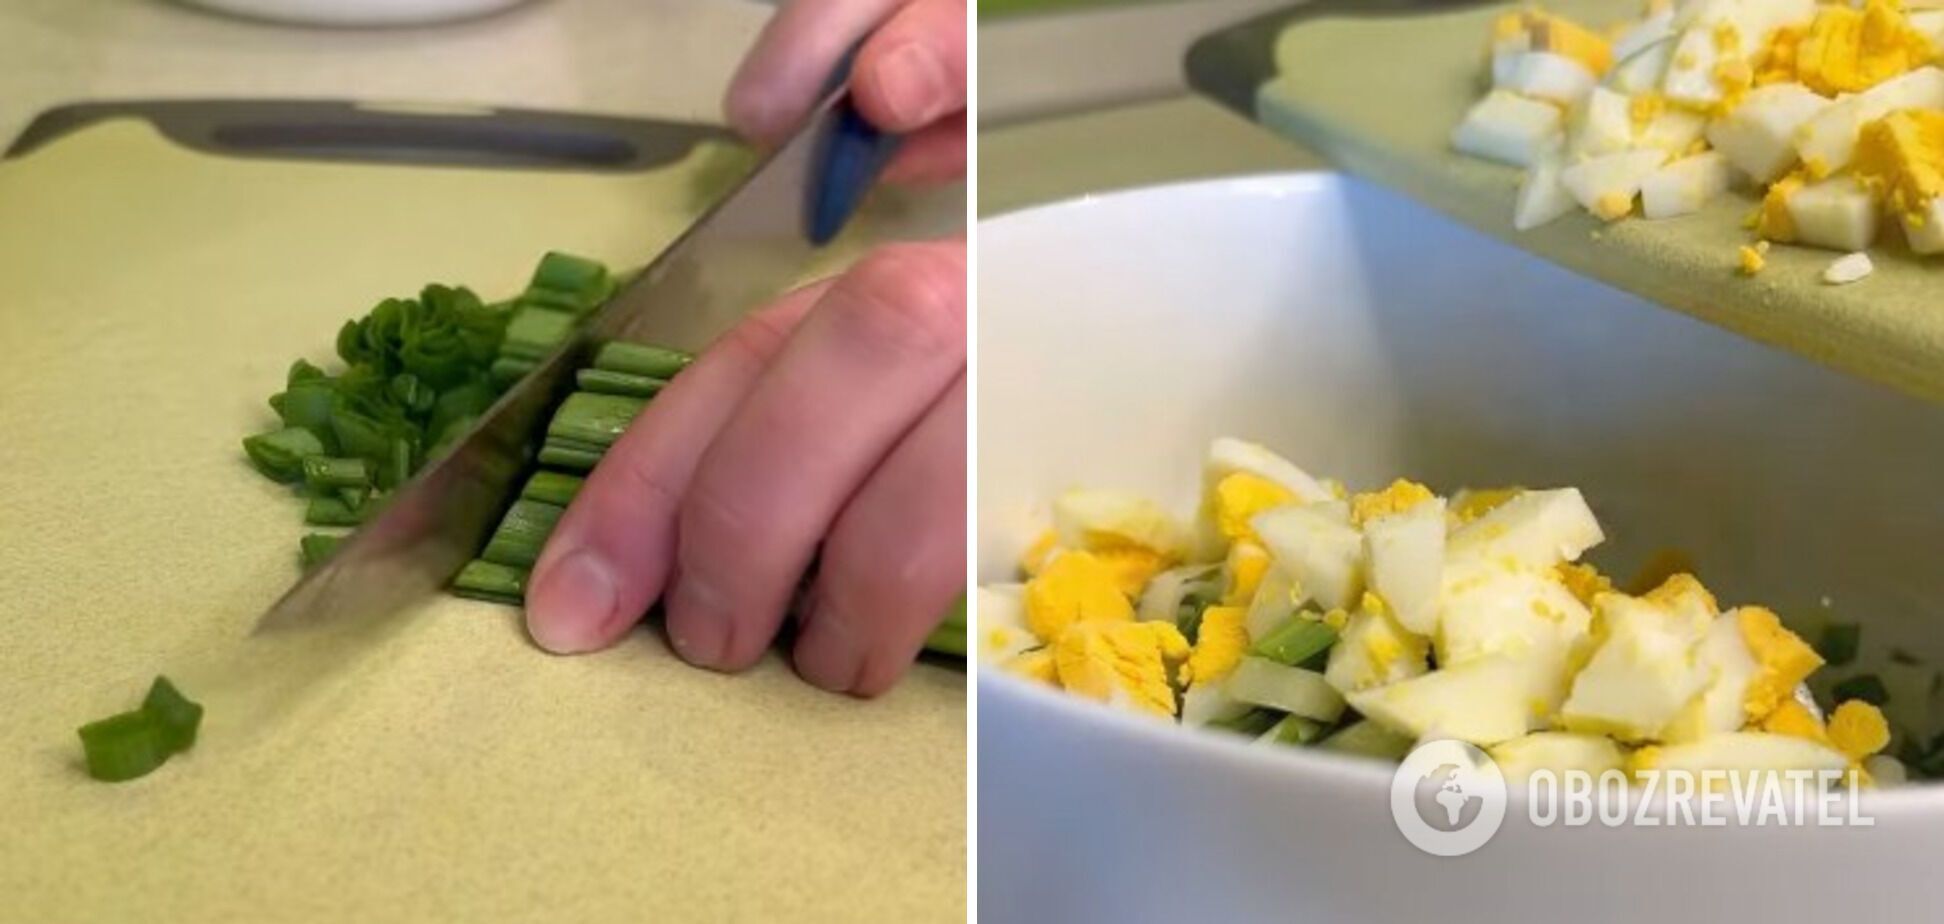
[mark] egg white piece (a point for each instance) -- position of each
(1161, 599)
(1930, 22)
(1654, 30)
(1641, 675)
(1690, 78)
(1746, 754)
(1887, 771)
(1559, 752)
(1519, 614)
(1642, 70)
(1373, 651)
(1607, 185)
(1601, 124)
(1827, 141)
(1507, 128)
(1482, 702)
(1276, 599)
(1848, 268)
(1535, 530)
(1081, 514)
(1204, 703)
(1000, 611)
(1227, 455)
(1684, 186)
(1758, 136)
(1542, 197)
(1405, 552)
(1292, 689)
(1548, 76)
(1318, 547)
(1673, 131)
(1926, 235)
(1730, 668)
(1837, 213)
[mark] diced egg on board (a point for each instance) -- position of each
(1641, 70)
(1542, 197)
(1827, 141)
(1757, 136)
(1507, 128)
(1319, 548)
(1606, 185)
(1547, 76)
(1673, 131)
(1837, 213)
(1684, 186)
(1643, 35)
(1926, 233)
(1848, 268)
(1601, 124)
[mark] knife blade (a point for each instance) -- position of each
(743, 251)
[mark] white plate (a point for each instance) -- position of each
(1366, 337)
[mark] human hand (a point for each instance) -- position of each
(908, 77)
(833, 419)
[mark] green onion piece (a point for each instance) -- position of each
(309, 404)
(1188, 614)
(606, 382)
(123, 747)
(534, 331)
(485, 580)
(331, 510)
(949, 637)
(593, 419)
(552, 488)
(399, 462)
(1369, 739)
(360, 435)
(303, 371)
(1866, 687)
(518, 540)
(583, 446)
(321, 472)
(354, 498)
(1252, 723)
(1293, 730)
(554, 301)
(176, 714)
(506, 370)
(641, 359)
(564, 272)
(578, 460)
(316, 547)
(1296, 641)
(280, 454)
(1839, 643)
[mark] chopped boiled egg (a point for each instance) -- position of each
(1751, 258)
(1606, 185)
(1374, 650)
(1534, 530)
(1405, 556)
(1900, 159)
(1544, 75)
(1559, 752)
(1483, 701)
(1122, 664)
(1730, 668)
(1858, 729)
(1757, 135)
(1848, 268)
(1074, 587)
(1925, 231)
(1827, 141)
(1848, 50)
(1684, 186)
(1219, 646)
(1275, 601)
(1001, 611)
(1036, 665)
(1401, 496)
(1162, 598)
(1602, 123)
(1582, 580)
(1097, 520)
(1674, 132)
(1744, 755)
(1642, 672)
(1783, 659)
(1227, 455)
(1039, 552)
(1643, 69)
(1247, 565)
(1542, 197)
(1519, 613)
(1837, 213)
(1239, 496)
(1508, 128)
(1319, 548)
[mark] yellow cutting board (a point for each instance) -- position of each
(1380, 96)
(447, 770)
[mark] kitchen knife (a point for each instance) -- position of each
(740, 253)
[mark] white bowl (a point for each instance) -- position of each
(1366, 337)
(357, 12)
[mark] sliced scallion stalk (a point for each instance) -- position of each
(1252, 722)
(321, 472)
(1369, 739)
(484, 580)
(316, 547)
(522, 533)
(1292, 730)
(641, 359)
(280, 454)
(534, 331)
(123, 747)
(588, 418)
(606, 382)
(331, 510)
(577, 276)
(572, 459)
(507, 369)
(554, 488)
(1296, 641)
(178, 716)
(1262, 682)
(949, 637)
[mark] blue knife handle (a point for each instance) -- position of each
(849, 156)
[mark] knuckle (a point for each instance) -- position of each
(906, 298)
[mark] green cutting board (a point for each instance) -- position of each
(444, 769)
(1377, 88)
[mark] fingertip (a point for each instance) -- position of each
(828, 655)
(699, 627)
(572, 606)
(904, 87)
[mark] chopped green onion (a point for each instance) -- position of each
(1296, 641)
(1262, 682)
(522, 533)
(398, 463)
(1253, 722)
(607, 382)
(534, 331)
(1188, 615)
(588, 418)
(1369, 739)
(1866, 687)
(552, 488)
(949, 637)
(331, 510)
(280, 454)
(578, 460)
(1839, 643)
(309, 404)
(506, 370)
(595, 448)
(354, 498)
(1292, 730)
(641, 359)
(178, 716)
(316, 547)
(123, 747)
(485, 580)
(321, 472)
(586, 280)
